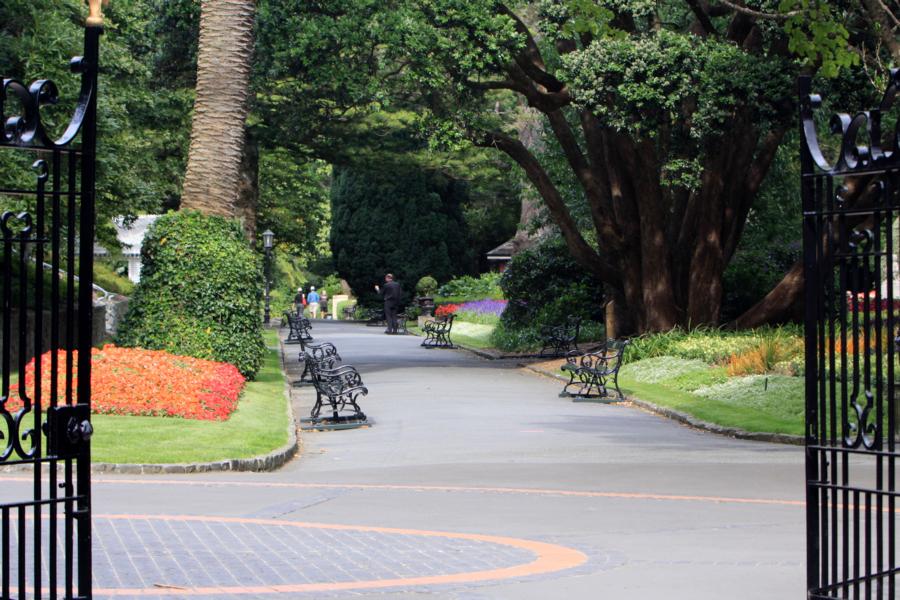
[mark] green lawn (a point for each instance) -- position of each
(258, 426)
(472, 335)
(757, 403)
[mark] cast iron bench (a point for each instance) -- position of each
(591, 373)
(300, 327)
(320, 352)
(377, 319)
(562, 339)
(402, 318)
(437, 332)
(339, 386)
(349, 312)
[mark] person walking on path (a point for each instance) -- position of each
(324, 302)
(391, 294)
(299, 301)
(313, 299)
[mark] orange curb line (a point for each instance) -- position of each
(549, 558)
(448, 488)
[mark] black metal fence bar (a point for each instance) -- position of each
(39, 555)
(851, 338)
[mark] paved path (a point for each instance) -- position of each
(477, 482)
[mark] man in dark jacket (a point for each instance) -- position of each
(391, 294)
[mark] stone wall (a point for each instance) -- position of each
(99, 332)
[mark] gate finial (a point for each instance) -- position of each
(95, 17)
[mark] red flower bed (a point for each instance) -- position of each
(134, 381)
(446, 309)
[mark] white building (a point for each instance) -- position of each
(132, 239)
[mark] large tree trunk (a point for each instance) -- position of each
(248, 187)
(212, 180)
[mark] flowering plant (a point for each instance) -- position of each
(446, 309)
(134, 381)
(484, 307)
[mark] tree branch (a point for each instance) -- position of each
(758, 14)
(883, 16)
(581, 250)
(530, 60)
(702, 17)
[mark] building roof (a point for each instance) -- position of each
(504, 251)
(131, 238)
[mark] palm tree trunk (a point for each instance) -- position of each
(212, 180)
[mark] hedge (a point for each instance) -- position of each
(200, 292)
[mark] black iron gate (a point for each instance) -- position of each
(852, 278)
(47, 243)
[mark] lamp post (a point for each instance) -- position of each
(268, 239)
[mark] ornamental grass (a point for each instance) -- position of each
(135, 381)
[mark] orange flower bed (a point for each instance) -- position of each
(134, 381)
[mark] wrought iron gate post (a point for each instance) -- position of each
(810, 332)
(51, 392)
(850, 327)
(92, 33)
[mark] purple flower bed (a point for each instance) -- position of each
(485, 312)
(484, 307)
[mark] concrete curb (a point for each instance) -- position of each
(267, 462)
(694, 422)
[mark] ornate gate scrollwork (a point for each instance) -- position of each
(851, 233)
(45, 393)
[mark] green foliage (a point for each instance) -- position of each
(661, 368)
(766, 393)
(544, 286)
(817, 35)
(109, 280)
(293, 202)
(199, 293)
(427, 286)
(528, 338)
(143, 111)
(341, 306)
(405, 222)
(641, 85)
(708, 345)
(460, 289)
(475, 317)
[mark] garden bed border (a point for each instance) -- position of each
(691, 421)
(266, 462)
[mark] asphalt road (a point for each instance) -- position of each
(476, 482)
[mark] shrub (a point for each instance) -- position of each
(109, 280)
(486, 285)
(200, 292)
(399, 220)
(544, 286)
(764, 357)
(709, 345)
(426, 286)
(134, 381)
(526, 339)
